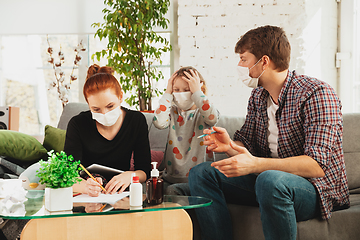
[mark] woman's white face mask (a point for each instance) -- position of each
(244, 76)
(183, 100)
(109, 118)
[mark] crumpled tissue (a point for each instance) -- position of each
(12, 197)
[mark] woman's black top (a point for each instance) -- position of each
(85, 143)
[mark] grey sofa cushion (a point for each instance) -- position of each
(70, 110)
(351, 147)
(157, 137)
(342, 225)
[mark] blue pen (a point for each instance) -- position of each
(206, 134)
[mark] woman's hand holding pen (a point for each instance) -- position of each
(169, 88)
(92, 188)
(193, 80)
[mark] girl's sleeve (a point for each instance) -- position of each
(208, 111)
(162, 113)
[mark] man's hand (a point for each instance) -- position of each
(239, 165)
(219, 141)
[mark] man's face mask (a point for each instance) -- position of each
(244, 76)
(183, 100)
(109, 118)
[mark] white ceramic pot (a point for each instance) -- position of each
(59, 199)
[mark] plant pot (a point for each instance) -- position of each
(59, 199)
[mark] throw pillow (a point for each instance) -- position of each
(54, 138)
(20, 146)
(156, 156)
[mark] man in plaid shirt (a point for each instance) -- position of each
(287, 158)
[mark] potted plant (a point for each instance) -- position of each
(58, 174)
(133, 46)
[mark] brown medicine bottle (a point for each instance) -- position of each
(154, 187)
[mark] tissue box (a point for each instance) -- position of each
(12, 196)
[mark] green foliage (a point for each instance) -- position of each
(133, 47)
(60, 171)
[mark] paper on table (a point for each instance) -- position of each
(103, 198)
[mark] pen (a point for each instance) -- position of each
(92, 177)
(206, 134)
(101, 209)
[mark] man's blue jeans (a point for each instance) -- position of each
(283, 199)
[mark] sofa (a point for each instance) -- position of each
(344, 224)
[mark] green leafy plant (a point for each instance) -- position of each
(133, 46)
(60, 171)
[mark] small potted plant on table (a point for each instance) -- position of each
(58, 174)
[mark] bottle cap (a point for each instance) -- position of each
(154, 172)
(136, 179)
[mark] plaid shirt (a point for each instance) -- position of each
(310, 123)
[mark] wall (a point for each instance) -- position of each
(208, 31)
(49, 16)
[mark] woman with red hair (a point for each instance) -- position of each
(108, 134)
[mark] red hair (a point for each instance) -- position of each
(99, 79)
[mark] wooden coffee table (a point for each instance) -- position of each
(168, 220)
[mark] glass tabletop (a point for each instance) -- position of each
(34, 207)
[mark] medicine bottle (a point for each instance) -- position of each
(136, 196)
(154, 187)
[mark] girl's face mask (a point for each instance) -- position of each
(244, 76)
(109, 118)
(183, 100)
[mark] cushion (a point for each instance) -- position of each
(20, 146)
(156, 156)
(54, 138)
(351, 147)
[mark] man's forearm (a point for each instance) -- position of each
(303, 166)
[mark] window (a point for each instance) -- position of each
(25, 74)
(348, 58)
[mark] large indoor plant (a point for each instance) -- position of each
(58, 174)
(133, 45)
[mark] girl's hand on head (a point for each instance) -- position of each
(169, 88)
(193, 80)
(119, 183)
(219, 141)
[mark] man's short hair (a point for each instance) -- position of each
(267, 40)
